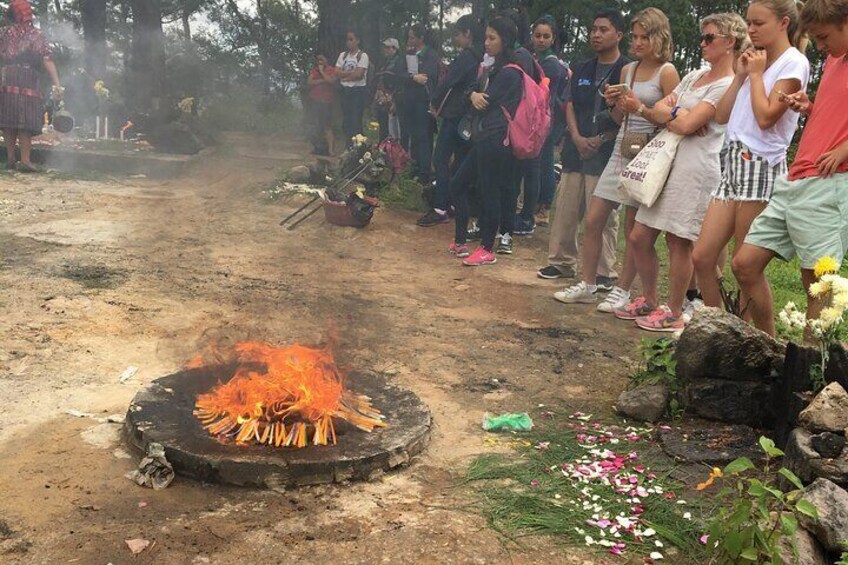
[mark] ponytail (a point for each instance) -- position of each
(797, 35)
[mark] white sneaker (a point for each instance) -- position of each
(580, 293)
(617, 298)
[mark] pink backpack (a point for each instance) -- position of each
(396, 155)
(528, 130)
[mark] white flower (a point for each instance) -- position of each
(656, 555)
(687, 515)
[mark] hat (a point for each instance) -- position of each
(391, 42)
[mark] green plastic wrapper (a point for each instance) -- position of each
(507, 422)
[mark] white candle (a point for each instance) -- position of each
(106, 127)
(122, 135)
(97, 128)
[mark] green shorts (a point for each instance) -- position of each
(807, 217)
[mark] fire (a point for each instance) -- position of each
(283, 396)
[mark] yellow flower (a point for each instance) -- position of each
(829, 317)
(714, 474)
(826, 265)
(840, 300)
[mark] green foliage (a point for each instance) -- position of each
(404, 193)
(754, 515)
(658, 366)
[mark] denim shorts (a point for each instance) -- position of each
(807, 218)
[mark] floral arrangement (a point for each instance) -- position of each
(832, 288)
(101, 91)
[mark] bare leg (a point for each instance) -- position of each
(680, 271)
(746, 212)
(716, 231)
(749, 265)
(642, 241)
(11, 138)
(628, 269)
(596, 220)
(26, 147)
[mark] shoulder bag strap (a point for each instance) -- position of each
(632, 80)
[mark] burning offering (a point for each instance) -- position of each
(283, 397)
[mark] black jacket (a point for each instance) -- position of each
(593, 117)
(451, 93)
(428, 64)
(558, 75)
(504, 86)
(392, 74)
(527, 62)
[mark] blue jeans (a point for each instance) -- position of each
(448, 144)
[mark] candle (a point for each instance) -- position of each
(106, 127)
(97, 128)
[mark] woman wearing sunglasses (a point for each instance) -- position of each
(645, 82)
(759, 131)
(680, 208)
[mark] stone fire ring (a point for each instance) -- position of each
(162, 413)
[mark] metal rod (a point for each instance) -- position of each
(307, 216)
(299, 210)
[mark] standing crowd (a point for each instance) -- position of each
(711, 147)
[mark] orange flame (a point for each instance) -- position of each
(282, 396)
(127, 126)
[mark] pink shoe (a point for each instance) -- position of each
(661, 320)
(639, 308)
(459, 249)
(481, 256)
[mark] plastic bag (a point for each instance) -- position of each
(510, 422)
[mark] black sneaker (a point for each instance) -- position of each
(605, 284)
(552, 272)
(474, 232)
(523, 227)
(432, 218)
(504, 244)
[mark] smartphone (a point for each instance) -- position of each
(623, 88)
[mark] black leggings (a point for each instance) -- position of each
(353, 100)
(491, 167)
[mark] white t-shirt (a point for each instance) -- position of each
(350, 61)
(771, 143)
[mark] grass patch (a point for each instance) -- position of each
(583, 483)
(403, 193)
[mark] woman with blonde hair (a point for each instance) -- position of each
(645, 82)
(759, 131)
(680, 208)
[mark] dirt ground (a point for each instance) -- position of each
(99, 276)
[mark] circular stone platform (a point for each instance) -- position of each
(162, 413)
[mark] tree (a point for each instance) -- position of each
(333, 18)
(93, 17)
(146, 72)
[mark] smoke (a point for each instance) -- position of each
(64, 34)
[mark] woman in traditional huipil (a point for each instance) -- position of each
(23, 54)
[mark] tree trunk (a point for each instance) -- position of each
(147, 58)
(479, 8)
(186, 15)
(93, 16)
(333, 16)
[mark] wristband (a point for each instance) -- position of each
(674, 112)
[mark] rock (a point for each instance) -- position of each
(300, 173)
(803, 460)
(828, 412)
(735, 402)
(828, 444)
(175, 137)
(810, 551)
(831, 501)
(719, 345)
(711, 444)
(645, 403)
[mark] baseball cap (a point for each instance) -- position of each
(391, 42)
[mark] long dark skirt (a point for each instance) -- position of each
(21, 106)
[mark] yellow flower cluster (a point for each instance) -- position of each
(186, 105)
(100, 90)
(829, 284)
(359, 139)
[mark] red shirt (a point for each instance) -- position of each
(323, 92)
(827, 126)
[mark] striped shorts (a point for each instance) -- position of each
(746, 177)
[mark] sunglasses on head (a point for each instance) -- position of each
(708, 38)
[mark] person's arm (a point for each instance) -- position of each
(457, 70)
(585, 148)
(725, 105)
(690, 122)
(828, 163)
(50, 69)
(768, 108)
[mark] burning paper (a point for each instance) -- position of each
(283, 396)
